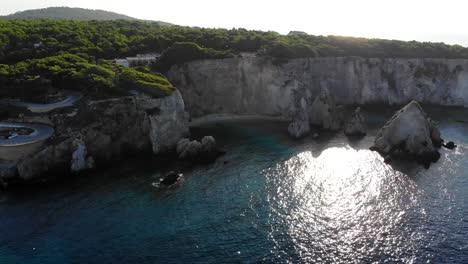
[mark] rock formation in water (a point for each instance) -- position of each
(323, 112)
(105, 130)
(171, 178)
(300, 126)
(408, 134)
(206, 150)
(450, 145)
(256, 85)
(356, 125)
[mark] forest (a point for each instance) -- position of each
(114, 39)
(75, 54)
(31, 78)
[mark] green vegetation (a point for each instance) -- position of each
(71, 54)
(32, 78)
(67, 13)
(154, 84)
(182, 52)
(114, 39)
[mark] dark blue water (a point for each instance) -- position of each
(275, 200)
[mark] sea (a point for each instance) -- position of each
(269, 199)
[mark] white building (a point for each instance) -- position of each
(123, 62)
(38, 45)
(139, 60)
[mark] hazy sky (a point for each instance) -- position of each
(423, 20)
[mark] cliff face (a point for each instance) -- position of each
(259, 86)
(94, 132)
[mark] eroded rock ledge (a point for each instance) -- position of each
(94, 132)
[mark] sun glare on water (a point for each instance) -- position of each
(342, 205)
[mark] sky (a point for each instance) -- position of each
(422, 20)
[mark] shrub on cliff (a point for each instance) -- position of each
(31, 78)
(182, 52)
(283, 49)
(153, 84)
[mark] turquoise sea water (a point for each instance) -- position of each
(268, 200)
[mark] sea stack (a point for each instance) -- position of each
(409, 134)
(324, 111)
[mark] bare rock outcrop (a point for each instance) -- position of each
(408, 134)
(259, 86)
(55, 156)
(300, 125)
(101, 131)
(206, 150)
(323, 112)
(80, 159)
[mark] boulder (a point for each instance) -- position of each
(356, 126)
(208, 145)
(206, 150)
(450, 145)
(324, 112)
(191, 150)
(181, 145)
(171, 178)
(408, 135)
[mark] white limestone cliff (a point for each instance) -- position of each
(255, 85)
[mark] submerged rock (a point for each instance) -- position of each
(450, 145)
(171, 178)
(356, 126)
(408, 134)
(324, 111)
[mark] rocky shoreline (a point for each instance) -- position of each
(91, 133)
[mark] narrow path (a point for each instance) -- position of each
(72, 97)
